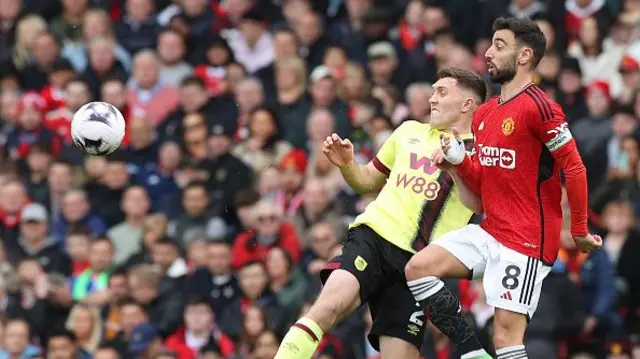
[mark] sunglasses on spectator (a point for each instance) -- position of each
(267, 218)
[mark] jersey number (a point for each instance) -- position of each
(414, 318)
(510, 279)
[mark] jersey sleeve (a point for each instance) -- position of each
(552, 129)
(386, 156)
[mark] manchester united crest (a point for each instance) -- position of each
(508, 126)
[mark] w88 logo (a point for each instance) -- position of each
(419, 185)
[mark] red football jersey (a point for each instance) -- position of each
(516, 146)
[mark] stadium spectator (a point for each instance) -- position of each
(199, 330)
(263, 147)
(91, 285)
(75, 209)
(171, 53)
(252, 89)
(127, 235)
(270, 230)
(216, 281)
(16, 340)
(35, 243)
(86, 325)
(164, 308)
(139, 28)
(147, 93)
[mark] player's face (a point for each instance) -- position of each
(502, 56)
(446, 102)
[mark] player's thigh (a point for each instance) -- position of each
(352, 277)
(393, 348)
(396, 314)
(512, 284)
(454, 255)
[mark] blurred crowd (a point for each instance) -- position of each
(204, 235)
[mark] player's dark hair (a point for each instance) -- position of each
(193, 81)
(466, 79)
(526, 32)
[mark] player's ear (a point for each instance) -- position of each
(525, 56)
(468, 105)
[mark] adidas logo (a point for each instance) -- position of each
(506, 295)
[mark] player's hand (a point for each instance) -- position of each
(588, 243)
(453, 147)
(337, 150)
(437, 159)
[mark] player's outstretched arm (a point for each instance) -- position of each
(555, 134)
(362, 178)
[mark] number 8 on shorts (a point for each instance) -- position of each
(514, 281)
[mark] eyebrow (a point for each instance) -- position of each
(500, 39)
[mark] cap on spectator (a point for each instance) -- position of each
(61, 64)
(216, 230)
(631, 60)
(254, 15)
(295, 159)
(319, 73)
(381, 49)
(32, 100)
(602, 86)
(571, 64)
(34, 212)
(141, 337)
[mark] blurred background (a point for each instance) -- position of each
(203, 237)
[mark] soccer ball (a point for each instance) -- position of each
(97, 128)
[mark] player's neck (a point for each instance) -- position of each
(463, 125)
(510, 89)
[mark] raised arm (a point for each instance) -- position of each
(364, 178)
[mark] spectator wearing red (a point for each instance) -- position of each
(61, 74)
(147, 93)
(212, 66)
(59, 120)
(292, 169)
(30, 129)
(270, 230)
(200, 330)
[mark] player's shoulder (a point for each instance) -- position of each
(536, 101)
(410, 126)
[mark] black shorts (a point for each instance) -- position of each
(379, 267)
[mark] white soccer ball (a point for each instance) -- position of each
(97, 128)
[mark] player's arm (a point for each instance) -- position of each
(468, 197)
(370, 177)
(553, 131)
(364, 178)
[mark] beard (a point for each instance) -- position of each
(506, 73)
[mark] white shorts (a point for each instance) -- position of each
(511, 280)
